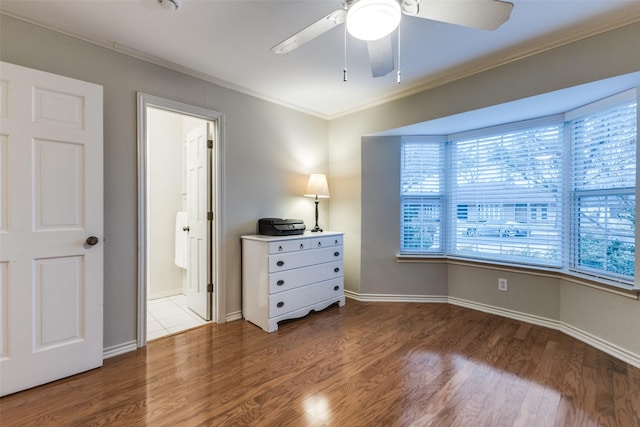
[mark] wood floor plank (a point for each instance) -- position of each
(626, 399)
(364, 364)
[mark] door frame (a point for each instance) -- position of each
(219, 294)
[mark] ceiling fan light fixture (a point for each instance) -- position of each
(171, 5)
(373, 19)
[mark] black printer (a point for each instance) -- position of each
(280, 227)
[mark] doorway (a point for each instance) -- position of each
(179, 155)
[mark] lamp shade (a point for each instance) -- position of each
(317, 186)
(373, 19)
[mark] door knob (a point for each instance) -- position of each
(186, 228)
(92, 240)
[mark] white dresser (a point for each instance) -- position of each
(287, 277)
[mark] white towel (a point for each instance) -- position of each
(182, 239)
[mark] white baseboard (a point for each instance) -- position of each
(504, 312)
(602, 345)
(236, 315)
(590, 339)
(126, 347)
(395, 298)
(119, 349)
(165, 293)
(614, 350)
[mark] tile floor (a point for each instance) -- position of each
(170, 315)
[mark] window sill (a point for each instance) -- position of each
(580, 279)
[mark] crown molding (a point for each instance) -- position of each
(582, 31)
(152, 59)
(520, 52)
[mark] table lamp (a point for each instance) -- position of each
(317, 187)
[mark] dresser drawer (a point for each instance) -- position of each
(325, 241)
(289, 246)
(284, 302)
(297, 277)
(287, 261)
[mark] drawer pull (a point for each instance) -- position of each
(336, 253)
(335, 242)
(336, 287)
(319, 244)
(301, 245)
(280, 263)
(280, 282)
(337, 269)
(280, 248)
(280, 304)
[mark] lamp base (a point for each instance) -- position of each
(316, 228)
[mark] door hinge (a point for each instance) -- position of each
(209, 143)
(210, 287)
(210, 216)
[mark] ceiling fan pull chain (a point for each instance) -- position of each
(399, 78)
(344, 70)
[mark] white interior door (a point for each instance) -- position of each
(198, 206)
(51, 225)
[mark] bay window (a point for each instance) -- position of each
(557, 192)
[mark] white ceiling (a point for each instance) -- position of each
(228, 42)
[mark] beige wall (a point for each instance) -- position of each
(365, 205)
(537, 296)
(269, 151)
(606, 316)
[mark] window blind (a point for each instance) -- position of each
(506, 191)
(603, 190)
(421, 189)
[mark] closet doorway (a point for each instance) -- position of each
(179, 150)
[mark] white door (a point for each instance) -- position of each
(51, 224)
(198, 206)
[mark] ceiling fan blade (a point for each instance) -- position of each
(381, 56)
(480, 14)
(309, 33)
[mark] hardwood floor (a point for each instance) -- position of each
(365, 364)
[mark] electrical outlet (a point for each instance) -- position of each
(502, 285)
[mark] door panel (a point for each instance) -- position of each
(198, 202)
(58, 182)
(58, 109)
(51, 201)
(57, 298)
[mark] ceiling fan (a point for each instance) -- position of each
(374, 20)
